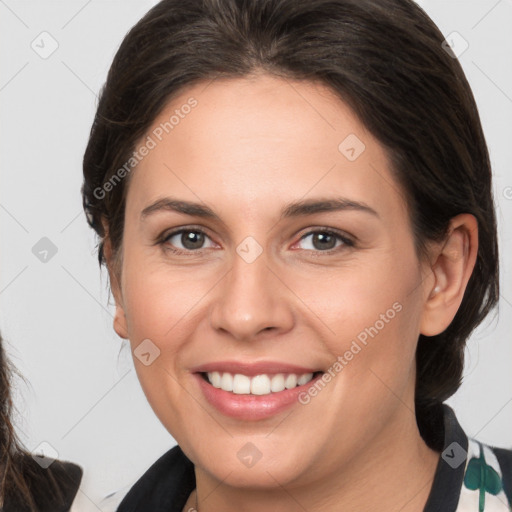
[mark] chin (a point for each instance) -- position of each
(240, 463)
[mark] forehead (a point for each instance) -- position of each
(248, 140)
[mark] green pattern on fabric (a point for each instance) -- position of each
(479, 475)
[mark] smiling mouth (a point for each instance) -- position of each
(263, 384)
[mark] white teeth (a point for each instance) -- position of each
(277, 383)
(291, 381)
(259, 384)
(304, 378)
(226, 383)
(241, 384)
(215, 378)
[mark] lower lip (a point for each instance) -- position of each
(251, 407)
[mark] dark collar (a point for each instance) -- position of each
(445, 491)
(167, 484)
(164, 487)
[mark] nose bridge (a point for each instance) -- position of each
(251, 298)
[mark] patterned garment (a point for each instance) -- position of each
(483, 486)
(470, 476)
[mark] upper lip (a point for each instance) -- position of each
(251, 369)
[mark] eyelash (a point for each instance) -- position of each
(347, 242)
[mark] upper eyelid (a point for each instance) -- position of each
(173, 232)
(344, 237)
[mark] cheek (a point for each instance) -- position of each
(161, 305)
(157, 296)
(159, 300)
(164, 305)
(370, 315)
(363, 297)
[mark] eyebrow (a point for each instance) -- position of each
(295, 209)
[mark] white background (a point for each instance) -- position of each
(82, 396)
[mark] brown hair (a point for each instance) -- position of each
(384, 58)
(13, 480)
(24, 485)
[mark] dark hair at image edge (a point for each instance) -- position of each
(24, 485)
(384, 59)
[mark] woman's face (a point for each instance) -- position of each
(266, 240)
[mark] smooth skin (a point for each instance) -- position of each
(248, 149)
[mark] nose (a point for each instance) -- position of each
(252, 299)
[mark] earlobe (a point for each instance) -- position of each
(451, 269)
(120, 324)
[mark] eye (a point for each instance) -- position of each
(325, 240)
(186, 240)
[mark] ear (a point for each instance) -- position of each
(120, 324)
(452, 267)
